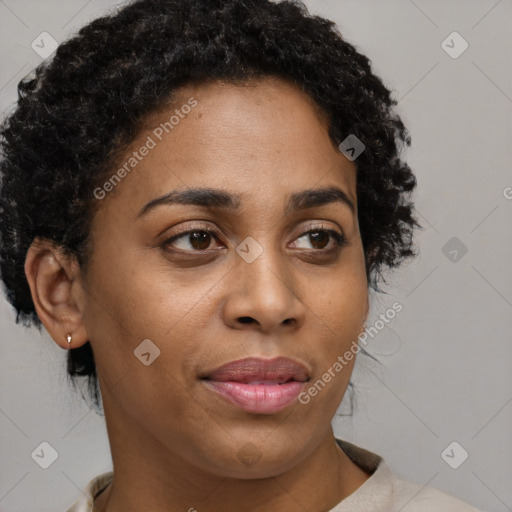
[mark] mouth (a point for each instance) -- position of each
(264, 386)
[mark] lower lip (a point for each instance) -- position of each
(261, 398)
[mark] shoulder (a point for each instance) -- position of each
(417, 498)
(92, 489)
(384, 491)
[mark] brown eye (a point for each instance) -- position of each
(199, 240)
(319, 238)
(194, 240)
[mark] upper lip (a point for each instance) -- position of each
(280, 369)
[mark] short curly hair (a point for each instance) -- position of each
(82, 107)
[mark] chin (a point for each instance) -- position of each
(248, 460)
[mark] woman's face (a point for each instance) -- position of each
(259, 287)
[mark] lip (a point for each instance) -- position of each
(257, 385)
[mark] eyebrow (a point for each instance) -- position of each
(216, 198)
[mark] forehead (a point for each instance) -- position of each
(261, 138)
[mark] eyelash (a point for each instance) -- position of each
(338, 238)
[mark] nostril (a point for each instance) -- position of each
(245, 319)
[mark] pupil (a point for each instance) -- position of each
(198, 239)
(319, 236)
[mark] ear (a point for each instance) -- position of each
(57, 292)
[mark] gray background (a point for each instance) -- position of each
(446, 356)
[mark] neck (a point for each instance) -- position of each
(149, 476)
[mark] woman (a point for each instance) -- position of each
(213, 188)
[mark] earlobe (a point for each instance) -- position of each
(54, 283)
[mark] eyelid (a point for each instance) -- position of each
(194, 227)
(320, 225)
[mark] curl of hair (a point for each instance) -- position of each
(82, 107)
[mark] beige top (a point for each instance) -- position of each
(382, 492)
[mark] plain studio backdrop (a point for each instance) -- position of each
(439, 407)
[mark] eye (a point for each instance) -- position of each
(319, 237)
(192, 240)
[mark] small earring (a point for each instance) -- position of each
(69, 340)
(364, 326)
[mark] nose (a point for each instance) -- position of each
(263, 296)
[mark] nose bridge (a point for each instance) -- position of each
(266, 274)
(264, 289)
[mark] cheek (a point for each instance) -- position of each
(136, 300)
(140, 342)
(339, 299)
(338, 309)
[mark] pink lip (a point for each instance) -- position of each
(239, 383)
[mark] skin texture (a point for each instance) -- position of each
(175, 444)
